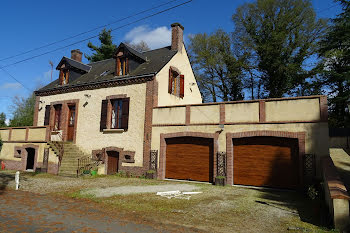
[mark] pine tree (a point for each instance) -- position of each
(106, 50)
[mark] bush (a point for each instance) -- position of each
(151, 171)
(220, 177)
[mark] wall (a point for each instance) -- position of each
(226, 118)
(88, 135)
(191, 92)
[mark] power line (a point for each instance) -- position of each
(91, 30)
(66, 46)
(13, 77)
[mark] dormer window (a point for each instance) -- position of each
(122, 66)
(64, 76)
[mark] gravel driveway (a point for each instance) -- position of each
(108, 192)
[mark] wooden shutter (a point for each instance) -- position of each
(170, 81)
(47, 115)
(125, 113)
(103, 122)
(182, 86)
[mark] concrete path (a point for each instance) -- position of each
(341, 161)
(27, 212)
(112, 191)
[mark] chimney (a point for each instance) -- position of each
(177, 31)
(76, 55)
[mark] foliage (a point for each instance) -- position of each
(151, 172)
(23, 111)
(335, 50)
(220, 177)
(142, 46)
(217, 65)
(312, 192)
(280, 36)
(106, 50)
(2, 120)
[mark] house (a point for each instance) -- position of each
(143, 111)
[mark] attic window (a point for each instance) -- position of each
(122, 66)
(104, 73)
(176, 83)
(64, 77)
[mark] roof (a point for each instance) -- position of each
(78, 65)
(104, 71)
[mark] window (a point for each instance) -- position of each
(117, 111)
(122, 66)
(176, 83)
(115, 114)
(64, 76)
(57, 122)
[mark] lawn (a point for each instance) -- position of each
(216, 209)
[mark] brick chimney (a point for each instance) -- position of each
(177, 31)
(76, 55)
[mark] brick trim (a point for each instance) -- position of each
(188, 115)
(10, 134)
(229, 147)
(324, 108)
(262, 111)
(222, 114)
(36, 111)
(162, 152)
(27, 134)
(155, 93)
(91, 86)
(120, 96)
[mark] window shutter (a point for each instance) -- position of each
(47, 115)
(182, 86)
(103, 122)
(170, 81)
(125, 113)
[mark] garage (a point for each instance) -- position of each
(266, 161)
(189, 158)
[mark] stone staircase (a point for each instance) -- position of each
(71, 154)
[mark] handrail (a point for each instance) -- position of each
(86, 163)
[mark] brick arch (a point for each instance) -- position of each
(25, 155)
(300, 136)
(162, 154)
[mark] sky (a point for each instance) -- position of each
(26, 25)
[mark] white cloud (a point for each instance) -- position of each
(13, 86)
(155, 38)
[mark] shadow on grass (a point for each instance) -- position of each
(4, 181)
(314, 212)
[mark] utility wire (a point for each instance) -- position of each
(91, 30)
(66, 46)
(13, 77)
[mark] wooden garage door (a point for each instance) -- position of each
(189, 158)
(266, 161)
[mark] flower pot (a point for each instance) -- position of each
(220, 181)
(93, 172)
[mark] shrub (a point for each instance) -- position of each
(220, 177)
(151, 171)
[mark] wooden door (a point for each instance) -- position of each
(71, 123)
(266, 161)
(113, 160)
(189, 158)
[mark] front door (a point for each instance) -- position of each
(71, 123)
(113, 160)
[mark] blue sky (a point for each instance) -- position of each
(30, 24)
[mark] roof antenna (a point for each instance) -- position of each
(51, 64)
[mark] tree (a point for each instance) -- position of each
(280, 35)
(142, 46)
(23, 111)
(2, 120)
(218, 68)
(106, 50)
(335, 76)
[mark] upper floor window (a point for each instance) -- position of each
(122, 66)
(64, 77)
(176, 83)
(115, 113)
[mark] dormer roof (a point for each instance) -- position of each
(131, 51)
(73, 64)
